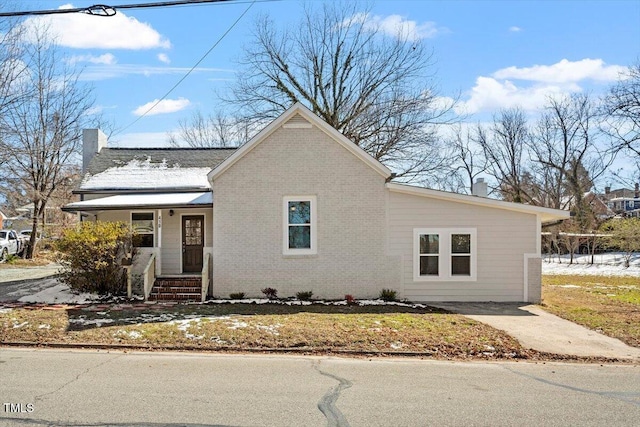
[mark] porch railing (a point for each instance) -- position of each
(205, 276)
(149, 276)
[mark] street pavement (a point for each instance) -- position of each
(88, 388)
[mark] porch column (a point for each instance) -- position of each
(159, 245)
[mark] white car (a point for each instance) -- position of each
(11, 244)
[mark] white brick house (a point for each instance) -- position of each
(301, 208)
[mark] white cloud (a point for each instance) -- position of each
(396, 26)
(490, 94)
(564, 71)
(106, 59)
(535, 84)
(163, 57)
(164, 107)
(104, 72)
(515, 29)
(82, 31)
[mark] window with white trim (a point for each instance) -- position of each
(444, 254)
(299, 225)
(143, 225)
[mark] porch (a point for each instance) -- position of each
(175, 241)
(184, 287)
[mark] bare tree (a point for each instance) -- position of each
(467, 160)
(41, 134)
(12, 68)
(216, 130)
(505, 147)
(564, 145)
(622, 111)
(373, 88)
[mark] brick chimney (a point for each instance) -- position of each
(479, 188)
(93, 140)
(637, 192)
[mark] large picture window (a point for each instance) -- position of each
(299, 224)
(444, 254)
(143, 224)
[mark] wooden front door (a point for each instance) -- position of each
(192, 243)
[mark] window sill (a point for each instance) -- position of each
(310, 255)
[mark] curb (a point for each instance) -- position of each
(536, 356)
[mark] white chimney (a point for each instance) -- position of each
(479, 188)
(93, 140)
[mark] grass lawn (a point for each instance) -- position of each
(610, 305)
(315, 328)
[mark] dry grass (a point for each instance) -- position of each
(316, 328)
(610, 305)
(43, 257)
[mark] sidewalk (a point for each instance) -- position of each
(536, 329)
(28, 273)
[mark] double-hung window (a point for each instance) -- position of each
(444, 254)
(142, 224)
(299, 225)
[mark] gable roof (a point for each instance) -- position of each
(151, 169)
(299, 122)
(545, 214)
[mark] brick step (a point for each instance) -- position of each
(175, 297)
(179, 289)
(178, 283)
(176, 289)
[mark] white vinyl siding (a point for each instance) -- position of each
(503, 237)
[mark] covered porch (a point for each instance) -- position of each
(175, 241)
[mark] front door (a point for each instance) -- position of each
(192, 243)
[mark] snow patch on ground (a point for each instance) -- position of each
(128, 334)
(270, 329)
(607, 264)
(82, 320)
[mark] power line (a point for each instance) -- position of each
(107, 11)
(119, 131)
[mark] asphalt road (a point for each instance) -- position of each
(88, 388)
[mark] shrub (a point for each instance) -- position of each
(270, 293)
(236, 295)
(90, 256)
(304, 296)
(12, 258)
(387, 295)
(350, 299)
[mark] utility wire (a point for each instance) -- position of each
(107, 11)
(119, 131)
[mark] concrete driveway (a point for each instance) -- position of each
(536, 329)
(22, 281)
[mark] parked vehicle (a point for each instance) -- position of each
(27, 234)
(12, 243)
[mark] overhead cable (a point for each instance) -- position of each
(107, 11)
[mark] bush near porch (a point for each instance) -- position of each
(91, 256)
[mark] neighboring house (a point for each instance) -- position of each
(623, 201)
(301, 208)
(3, 218)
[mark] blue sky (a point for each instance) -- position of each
(494, 53)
